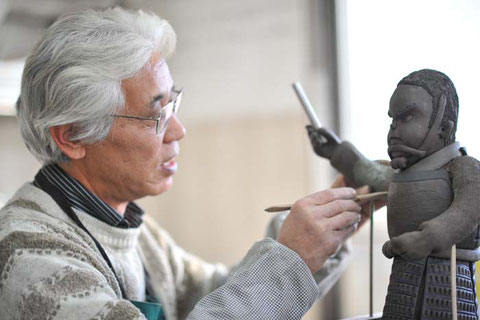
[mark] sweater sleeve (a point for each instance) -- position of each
(47, 276)
(193, 278)
(271, 282)
(270, 275)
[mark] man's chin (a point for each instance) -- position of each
(165, 186)
(159, 188)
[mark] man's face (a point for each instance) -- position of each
(133, 161)
(411, 109)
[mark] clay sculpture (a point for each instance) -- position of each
(433, 198)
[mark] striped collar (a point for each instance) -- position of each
(81, 198)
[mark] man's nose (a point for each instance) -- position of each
(175, 130)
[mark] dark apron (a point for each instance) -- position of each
(151, 311)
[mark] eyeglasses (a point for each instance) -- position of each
(167, 111)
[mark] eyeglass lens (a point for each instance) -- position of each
(167, 112)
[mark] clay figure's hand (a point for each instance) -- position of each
(431, 238)
(318, 224)
(413, 245)
(324, 141)
(387, 250)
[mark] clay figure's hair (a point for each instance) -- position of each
(437, 83)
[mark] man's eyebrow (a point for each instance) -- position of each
(155, 99)
(159, 97)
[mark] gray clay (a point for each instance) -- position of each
(433, 198)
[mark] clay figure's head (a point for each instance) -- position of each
(424, 112)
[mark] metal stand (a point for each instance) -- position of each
(372, 209)
(371, 316)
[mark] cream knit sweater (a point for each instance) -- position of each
(51, 269)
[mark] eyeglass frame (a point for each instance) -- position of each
(173, 104)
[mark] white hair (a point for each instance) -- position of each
(73, 74)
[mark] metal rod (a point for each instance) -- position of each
(372, 208)
(453, 281)
(302, 96)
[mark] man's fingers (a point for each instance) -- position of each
(363, 190)
(344, 234)
(319, 223)
(330, 195)
(334, 208)
(339, 182)
(344, 220)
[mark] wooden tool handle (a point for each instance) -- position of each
(360, 198)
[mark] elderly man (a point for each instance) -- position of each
(98, 109)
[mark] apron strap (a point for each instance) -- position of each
(42, 182)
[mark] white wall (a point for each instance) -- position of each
(380, 43)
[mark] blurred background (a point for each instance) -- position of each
(246, 147)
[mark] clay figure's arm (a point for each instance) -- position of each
(357, 169)
(437, 235)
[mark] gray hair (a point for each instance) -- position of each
(73, 74)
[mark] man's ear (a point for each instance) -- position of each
(61, 135)
(446, 129)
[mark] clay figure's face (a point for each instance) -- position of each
(411, 109)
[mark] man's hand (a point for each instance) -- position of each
(340, 182)
(318, 224)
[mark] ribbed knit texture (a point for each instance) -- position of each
(122, 245)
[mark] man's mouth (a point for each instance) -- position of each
(170, 164)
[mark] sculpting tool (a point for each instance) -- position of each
(360, 198)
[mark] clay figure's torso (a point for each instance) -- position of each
(421, 193)
(415, 197)
(420, 289)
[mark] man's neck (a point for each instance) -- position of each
(76, 172)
